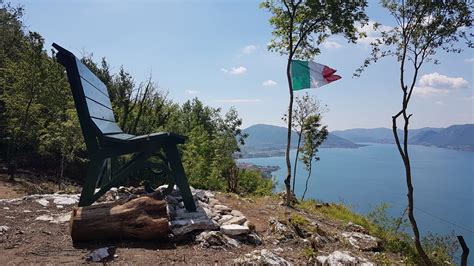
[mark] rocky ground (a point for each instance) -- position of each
(225, 229)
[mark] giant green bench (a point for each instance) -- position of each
(105, 141)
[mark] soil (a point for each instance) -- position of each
(30, 241)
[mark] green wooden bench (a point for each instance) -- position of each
(105, 141)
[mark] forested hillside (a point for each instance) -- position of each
(39, 128)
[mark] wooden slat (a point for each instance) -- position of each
(122, 136)
(99, 111)
(93, 93)
(107, 127)
(86, 74)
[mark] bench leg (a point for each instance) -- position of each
(177, 169)
(93, 172)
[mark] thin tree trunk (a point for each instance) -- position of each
(288, 143)
(411, 204)
(465, 251)
(296, 159)
(404, 151)
(307, 179)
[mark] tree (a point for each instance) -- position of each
(314, 135)
(300, 26)
(305, 107)
(422, 28)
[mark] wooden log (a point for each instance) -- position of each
(141, 218)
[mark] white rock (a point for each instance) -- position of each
(6, 208)
(209, 194)
(45, 217)
(278, 250)
(3, 229)
(26, 211)
(362, 241)
(216, 239)
(200, 213)
(261, 257)
(342, 258)
(55, 219)
(222, 208)
(225, 218)
(237, 213)
(98, 255)
(43, 202)
(200, 195)
(207, 211)
(236, 220)
(191, 225)
(213, 202)
(65, 199)
(234, 229)
(59, 206)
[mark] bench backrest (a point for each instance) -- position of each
(90, 97)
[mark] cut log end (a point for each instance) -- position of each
(142, 218)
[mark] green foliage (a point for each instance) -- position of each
(309, 252)
(314, 135)
(297, 219)
(38, 117)
(299, 27)
(393, 240)
(253, 182)
(379, 216)
(440, 248)
(422, 28)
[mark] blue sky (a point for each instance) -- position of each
(216, 51)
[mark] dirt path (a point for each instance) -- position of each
(8, 190)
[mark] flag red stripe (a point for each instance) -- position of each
(327, 71)
(332, 78)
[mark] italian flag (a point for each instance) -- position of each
(309, 74)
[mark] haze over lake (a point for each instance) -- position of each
(367, 176)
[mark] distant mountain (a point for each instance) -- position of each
(454, 137)
(268, 140)
(377, 135)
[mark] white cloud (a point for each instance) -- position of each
(372, 34)
(437, 80)
(437, 84)
(238, 101)
(191, 91)
(429, 91)
(269, 83)
(249, 49)
(469, 60)
(331, 45)
(440, 103)
(235, 70)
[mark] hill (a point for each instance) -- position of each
(458, 137)
(268, 140)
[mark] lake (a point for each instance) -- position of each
(367, 176)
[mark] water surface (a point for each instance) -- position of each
(367, 176)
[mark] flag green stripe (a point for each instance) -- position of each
(300, 75)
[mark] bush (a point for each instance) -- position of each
(254, 182)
